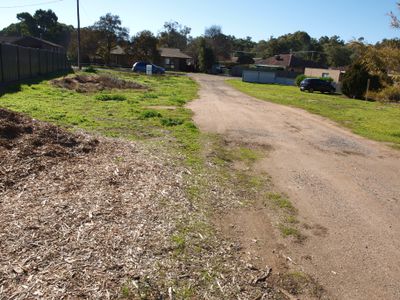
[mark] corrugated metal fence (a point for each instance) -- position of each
(18, 63)
(278, 77)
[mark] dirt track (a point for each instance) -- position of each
(341, 182)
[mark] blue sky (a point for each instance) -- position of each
(256, 18)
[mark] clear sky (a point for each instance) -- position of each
(259, 19)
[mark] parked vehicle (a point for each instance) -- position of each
(140, 67)
(315, 84)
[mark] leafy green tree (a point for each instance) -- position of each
(206, 57)
(244, 58)
(144, 47)
(174, 35)
(355, 81)
(220, 43)
(337, 54)
(43, 24)
(89, 45)
(111, 34)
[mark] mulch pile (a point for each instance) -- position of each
(28, 146)
(84, 218)
(94, 83)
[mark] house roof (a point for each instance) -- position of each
(173, 53)
(20, 39)
(118, 50)
(288, 61)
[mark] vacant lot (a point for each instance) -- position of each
(126, 208)
(374, 120)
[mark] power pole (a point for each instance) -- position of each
(79, 35)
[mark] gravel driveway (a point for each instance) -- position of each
(348, 185)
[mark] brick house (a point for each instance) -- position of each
(175, 59)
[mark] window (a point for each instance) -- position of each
(167, 61)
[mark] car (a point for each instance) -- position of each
(140, 67)
(315, 84)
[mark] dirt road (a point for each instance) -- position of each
(338, 180)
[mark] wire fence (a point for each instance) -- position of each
(19, 63)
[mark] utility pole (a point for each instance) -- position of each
(79, 35)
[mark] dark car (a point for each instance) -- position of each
(315, 84)
(140, 67)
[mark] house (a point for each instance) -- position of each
(335, 73)
(120, 57)
(175, 59)
(32, 42)
(287, 62)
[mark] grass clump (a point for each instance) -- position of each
(290, 231)
(281, 202)
(111, 97)
(169, 122)
(90, 69)
(148, 114)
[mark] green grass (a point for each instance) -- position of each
(116, 113)
(374, 120)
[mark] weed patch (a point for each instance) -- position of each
(169, 122)
(111, 97)
(147, 114)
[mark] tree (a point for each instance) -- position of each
(111, 34)
(174, 35)
(43, 24)
(395, 22)
(244, 58)
(337, 54)
(89, 44)
(206, 56)
(193, 49)
(355, 81)
(144, 47)
(220, 43)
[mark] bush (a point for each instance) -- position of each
(147, 114)
(388, 94)
(110, 97)
(355, 81)
(171, 122)
(90, 69)
(300, 78)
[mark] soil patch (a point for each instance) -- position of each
(94, 83)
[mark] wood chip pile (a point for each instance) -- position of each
(93, 219)
(94, 83)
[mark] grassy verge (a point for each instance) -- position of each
(374, 120)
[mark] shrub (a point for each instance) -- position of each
(90, 69)
(171, 122)
(388, 94)
(110, 97)
(147, 114)
(300, 78)
(355, 81)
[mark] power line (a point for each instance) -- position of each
(32, 4)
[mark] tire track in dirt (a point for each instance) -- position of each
(349, 186)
